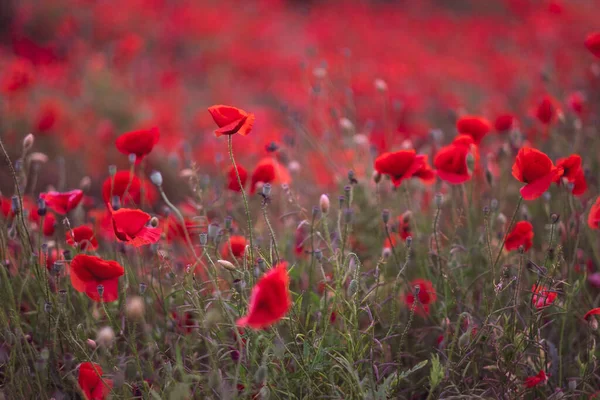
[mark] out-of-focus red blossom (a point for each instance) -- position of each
(476, 127)
(6, 206)
(270, 299)
(90, 380)
(426, 296)
(299, 239)
(402, 165)
(521, 235)
(546, 110)
(237, 244)
(124, 185)
(536, 170)
(83, 237)
(49, 226)
(49, 114)
(592, 42)
(573, 173)
(139, 142)
(576, 102)
(542, 296)
(52, 256)
(185, 321)
(533, 381)
(128, 48)
(62, 203)
(87, 272)
(268, 170)
(594, 279)
(232, 180)
(451, 161)
(175, 229)
(130, 226)
(594, 215)
(325, 282)
(593, 311)
(504, 123)
(18, 76)
(231, 120)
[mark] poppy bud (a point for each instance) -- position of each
(501, 219)
(112, 170)
(227, 265)
(464, 339)
(105, 337)
(324, 203)
(156, 178)
(203, 239)
(239, 285)
(489, 177)
(28, 142)
(264, 393)
(135, 307)
(593, 323)
(213, 230)
(380, 85)
(386, 252)
(521, 249)
(154, 222)
(91, 344)
(132, 157)
(319, 254)
(41, 211)
(261, 264)
(235, 355)
(385, 216)
(572, 384)
(352, 288)
(470, 162)
(143, 287)
(266, 189)
(407, 216)
(554, 218)
(100, 289)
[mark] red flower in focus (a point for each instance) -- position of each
(592, 42)
(573, 173)
(533, 381)
(130, 227)
(88, 272)
(232, 180)
(594, 215)
(231, 120)
(18, 76)
(521, 235)
(451, 162)
(62, 203)
(542, 296)
(83, 237)
(268, 170)
(91, 383)
(504, 123)
(124, 185)
(536, 170)
(426, 296)
(238, 247)
(546, 111)
(476, 127)
(140, 142)
(401, 165)
(270, 299)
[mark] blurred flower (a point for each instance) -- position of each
(62, 203)
(232, 180)
(83, 237)
(476, 127)
(89, 272)
(426, 295)
(542, 296)
(521, 235)
(573, 173)
(592, 42)
(140, 142)
(124, 185)
(91, 382)
(533, 381)
(238, 246)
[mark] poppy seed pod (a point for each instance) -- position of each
(112, 170)
(324, 204)
(156, 178)
(203, 239)
(132, 158)
(143, 287)
(385, 216)
(266, 189)
(154, 222)
(15, 205)
(100, 289)
(439, 198)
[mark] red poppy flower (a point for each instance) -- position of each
(542, 296)
(536, 170)
(124, 185)
(130, 226)
(533, 381)
(476, 127)
(238, 247)
(231, 120)
(592, 42)
(594, 215)
(451, 163)
(270, 299)
(185, 322)
(426, 174)
(232, 180)
(83, 237)
(399, 165)
(140, 142)
(91, 382)
(426, 296)
(521, 235)
(504, 123)
(546, 111)
(62, 203)
(18, 76)
(576, 101)
(268, 170)
(87, 272)
(49, 114)
(593, 311)
(6, 205)
(573, 173)
(49, 225)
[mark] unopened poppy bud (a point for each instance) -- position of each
(554, 218)
(464, 339)
(348, 215)
(213, 230)
(154, 222)
(324, 203)
(385, 216)
(132, 157)
(593, 323)
(235, 355)
(91, 344)
(264, 393)
(439, 198)
(48, 307)
(318, 254)
(135, 307)
(57, 267)
(352, 288)
(228, 223)
(203, 239)
(376, 177)
(380, 85)
(346, 125)
(15, 205)
(239, 285)
(28, 142)
(227, 265)
(266, 189)
(112, 170)
(41, 211)
(572, 384)
(100, 289)
(156, 178)
(105, 337)
(116, 203)
(261, 375)
(407, 216)
(143, 287)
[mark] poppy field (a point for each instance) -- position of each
(279, 199)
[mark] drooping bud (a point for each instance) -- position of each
(324, 203)
(105, 337)
(227, 265)
(28, 142)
